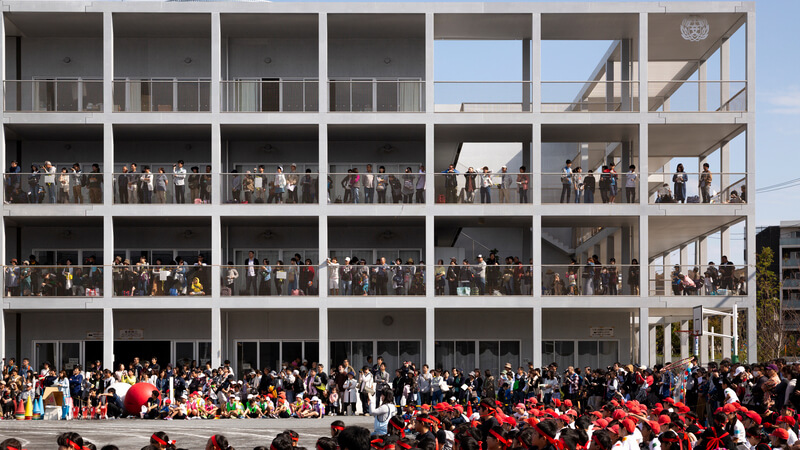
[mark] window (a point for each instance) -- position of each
(491, 355)
(394, 353)
(259, 355)
(589, 353)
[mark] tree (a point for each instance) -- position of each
(772, 336)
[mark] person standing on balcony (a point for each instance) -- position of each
(122, 186)
(33, 184)
(161, 181)
(452, 276)
(49, 181)
(194, 184)
(679, 180)
(205, 185)
(450, 184)
(368, 182)
(133, 185)
(408, 186)
(522, 184)
(355, 182)
(505, 185)
(486, 186)
(179, 176)
(147, 185)
(13, 179)
(705, 184)
(251, 286)
(95, 183)
(566, 182)
(480, 275)
(614, 183)
(63, 186)
(307, 184)
(469, 185)
(577, 183)
(77, 183)
(589, 184)
(630, 184)
(291, 183)
(381, 183)
(420, 186)
(280, 185)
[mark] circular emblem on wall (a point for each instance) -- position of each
(694, 28)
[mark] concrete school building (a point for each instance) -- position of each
(331, 87)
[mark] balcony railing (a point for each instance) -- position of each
(376, 280)
(269, 280)
(703, 187)
(270, 96)
(158, 281)
(53, 95)
(590, 279)
(698, 96)
(475, 187)
(590, 96)
(477, 280)
(52, 281)
(366, 95)
(162, 95)
(162, 188)
(483, 96)
(262, 187)
(59, 188)
(588, 187)
(369, 188)
(728, 280)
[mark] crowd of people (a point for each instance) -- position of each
(682, 406)
(714, 280)
(483, 182)
(151, 187)
(47, 184)
(583, 186)
(33, 279)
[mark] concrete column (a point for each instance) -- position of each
(324, 253)
(725, 71)
(625, 257)
(216, 63)
(725, 170)
(703, 358)
(725, 243)
(701, 248)
(644, 136)
(537, 335)
(644, 336)
(643, 79)
(625, 75)
(684, 339)
(644, 232)
(430, 257)
(323, 67)
(217, 256)
(430, 336)
(216, 337)
(430, 161)
(526, 75)
(610, 78)
(684, 256)
(536, 72)
(536, 164)
(324, 346)
(322, 157)
(2, 324)
(667, 274)
(429, 78)
(702, 88)
(217, 182)
(108, 66)
(726, 329)
(108, 167)
(652, 353)
(536, 241)
(752, 333)
(108, 338)
(108, 255)
(667, 343)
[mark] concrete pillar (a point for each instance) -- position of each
(429, 76)
(625, 257)
(323, 67)
(725, 71)
(430, 336)
(684, 257)
(702, 88)
(537, 336)
(108, 338)
(108, 255)
(324, 168)
(752, 333)
(536, 165)
(667, 343)
(536, 72)
(526, 75)
(625, 75)
(108, 67)
(727, 330)
(610, 78)
(644, 336)
(684, 339)
(701, 249)
(704, 342)
(324, 346)
(217, 190)
(643, 168)
(643, 80)
(216, 64)
(725, 243)
(217, 256)
(108, 167)
(724, 170)
(536, 241)
(430, 257)
(216, 337)
(644, 232)
(324, 253)
(667, 269)
(430, 161)
(651, 349)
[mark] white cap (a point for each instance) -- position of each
(643, 367)
(347, 258)
(314, 399)
(739, 370)
(480, 256)
(249, 396)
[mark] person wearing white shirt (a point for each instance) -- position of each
(180, 182)
(630, 184)
(251, 288)
(49, 181)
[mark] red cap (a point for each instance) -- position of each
(664, 419)
(730, 408)
(531, 421)
(787, 419)
(532, 400)
(568, 403)
(629, 425)
(572, 412)
(601, 423)
(654, 426)
(565, 418)
(557, 402)
(619, 414)
(597, 414)
(511, 421)
(670, 400)
(780, 433)
(752, 415)
(614, 429)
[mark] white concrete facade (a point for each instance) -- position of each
(322, 42)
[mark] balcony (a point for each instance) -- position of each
(726, 280)
(161, 281)
(162, 95)
(376, 280)
(161, 188)
(371, 95)
(269, 281)
(58, 188)
(261, 187)
(483, 96)
(697, 96)
(53, 281)
(270, 96)
(475, 187)
(53, 95)
(704, 187)
(369, 188)
(475, 280)
(590, 96)
(590, 279)
(586, 187)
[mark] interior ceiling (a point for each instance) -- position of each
(274, 25)
(483, 222)
(668, 232)
(482, 26)
(162, 132)
(376, 26)
(271, 221)
(483, 133)
(54, 132)
(594, 221)
(144, 25)
(383, 221)
(688, 140)
(376, 132)
(63, 221)
(269, 132)
(590, 27)
(162, 221)
(590, 133)
(666, 43)
(64, 25)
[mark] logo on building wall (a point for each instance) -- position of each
(694, 28)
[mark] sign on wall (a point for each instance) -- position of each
(131, 334)
(601, 332)
(94, 335)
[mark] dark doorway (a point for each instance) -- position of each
(125, 351)
(93, 351)
(270, 94)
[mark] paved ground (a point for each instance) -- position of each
(133, 434)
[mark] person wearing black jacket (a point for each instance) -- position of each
(715, 436)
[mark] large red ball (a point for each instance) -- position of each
(137, 396)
